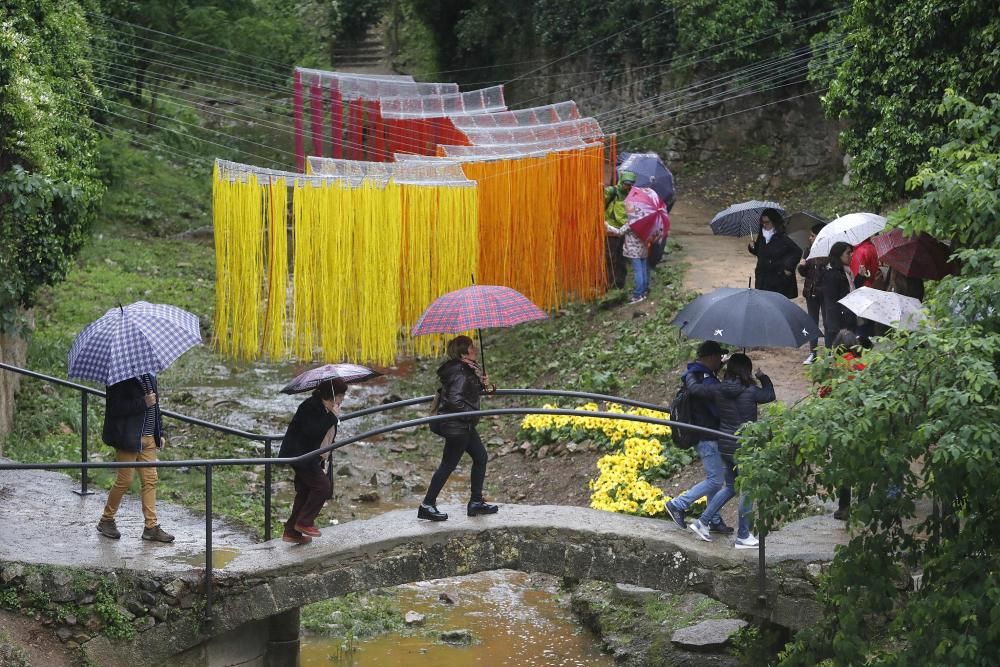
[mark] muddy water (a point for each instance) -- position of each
(515, 620)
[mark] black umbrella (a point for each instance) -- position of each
(799, 226)
(650, 172)
(746, 317)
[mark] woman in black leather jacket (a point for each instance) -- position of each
(462, 383)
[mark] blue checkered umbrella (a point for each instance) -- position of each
(742, 219)
(127, 342)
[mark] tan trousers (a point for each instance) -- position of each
(147, 476)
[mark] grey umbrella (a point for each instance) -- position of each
(742, 219)
(746, 317)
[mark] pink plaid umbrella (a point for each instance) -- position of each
(647, 213)
(314, 377)
(477, 307)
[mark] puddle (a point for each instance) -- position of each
(220, 557)
(514, 617)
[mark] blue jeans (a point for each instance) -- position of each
(713, 484)
(746, 507)
(640, 273)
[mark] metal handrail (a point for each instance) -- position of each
(209, 464)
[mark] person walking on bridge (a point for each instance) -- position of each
(462, 384)
(704, 413)
(132, 425)
(313, 426)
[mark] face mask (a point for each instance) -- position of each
(768, 234)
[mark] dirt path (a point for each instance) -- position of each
(723, 261)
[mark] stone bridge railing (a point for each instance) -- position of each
(268, 580)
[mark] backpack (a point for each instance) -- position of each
(681, 410)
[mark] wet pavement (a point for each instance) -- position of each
(43, 521)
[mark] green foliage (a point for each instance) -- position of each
(350, 20)
(918, 428)
(360, 616)
(48, 185)
(903, 55)
(116, 623)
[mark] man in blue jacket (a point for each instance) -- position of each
(132, 425)
(704, 413)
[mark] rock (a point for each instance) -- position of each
(708, 635)
(413, 618)
(86, 598)
(814, 571)
(495, 441)
(444, 597)
(187, 601)
(62, 594)
(380, 478)
(144, 623)
(462, 636)
(337, 617)
(160, 612)
(525, 447)
(630, 594)
(573, 447)
(542, 452)
(11, 572)
(81, 638)
(61, 578)
(396, 449)
(344, 471)
(151, 585)
(71, 619)
(33, 582)
(147, 598)
(175, 588)
(135, 607)
(368, 497)
(64, 634)
(94, 623)
(417, 486)
(410, 446)
(391, 398)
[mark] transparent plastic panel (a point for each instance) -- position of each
(550, 113)
(485, 100)
(408, 172)
(371, 88)
(514, 150)
(582, 128)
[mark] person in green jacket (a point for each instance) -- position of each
(615, 218)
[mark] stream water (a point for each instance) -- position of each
(515, 619)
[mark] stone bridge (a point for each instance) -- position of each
(259, 592)
(51, 557)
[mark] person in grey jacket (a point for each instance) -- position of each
(462, 383)
(736, 399)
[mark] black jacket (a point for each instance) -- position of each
(699, 378)
(124, 412)
(737, 405)
(307, 428)
(460, 392)
(835, 287)
(776, 262)
(812, 271)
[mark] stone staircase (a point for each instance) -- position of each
(367, 56)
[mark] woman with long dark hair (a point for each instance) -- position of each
(837, 282)
(777, 256)
(313, 426)
(736, 398)
(462, 383)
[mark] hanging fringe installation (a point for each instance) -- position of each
(366, 261)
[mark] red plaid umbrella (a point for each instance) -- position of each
(920, 256)
(477, 307)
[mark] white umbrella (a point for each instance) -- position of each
(895, 310)
(852, 228)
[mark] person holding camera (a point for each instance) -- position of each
(462, 383)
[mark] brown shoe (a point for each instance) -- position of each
(156, 534)
(295, 537)
(107, 528)
(311, 531)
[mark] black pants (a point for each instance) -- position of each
(454, 447)
(615, 261)
(815, 306)
(312, 490)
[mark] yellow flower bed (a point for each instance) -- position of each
(622, 484)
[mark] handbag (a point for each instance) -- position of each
(435, 405)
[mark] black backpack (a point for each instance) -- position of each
(681, 410)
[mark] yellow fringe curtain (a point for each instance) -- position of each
(580, 240)
(366, 262)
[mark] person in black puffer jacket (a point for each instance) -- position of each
(777, 256)
(836, 283)
(462, 383)
(736, 398)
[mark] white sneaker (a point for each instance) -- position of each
(701, 530)
(748, 542)
(811, 358)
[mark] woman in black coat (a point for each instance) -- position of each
(462, 383)
(777, 256)
(314, 424)
(837, 282)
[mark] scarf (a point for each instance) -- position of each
(768, 235)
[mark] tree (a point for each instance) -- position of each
(48, 183)
(916, 434)
(902, 55)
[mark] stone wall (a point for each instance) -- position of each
(13, 351)
(792, 138)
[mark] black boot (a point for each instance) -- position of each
(477, 507)
(431, 513)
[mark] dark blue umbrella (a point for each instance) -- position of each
(650, 172)
(127, 342)
(746, 317)
(742, 219)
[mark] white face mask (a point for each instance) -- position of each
(768, 234)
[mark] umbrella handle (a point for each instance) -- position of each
(482, 350)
